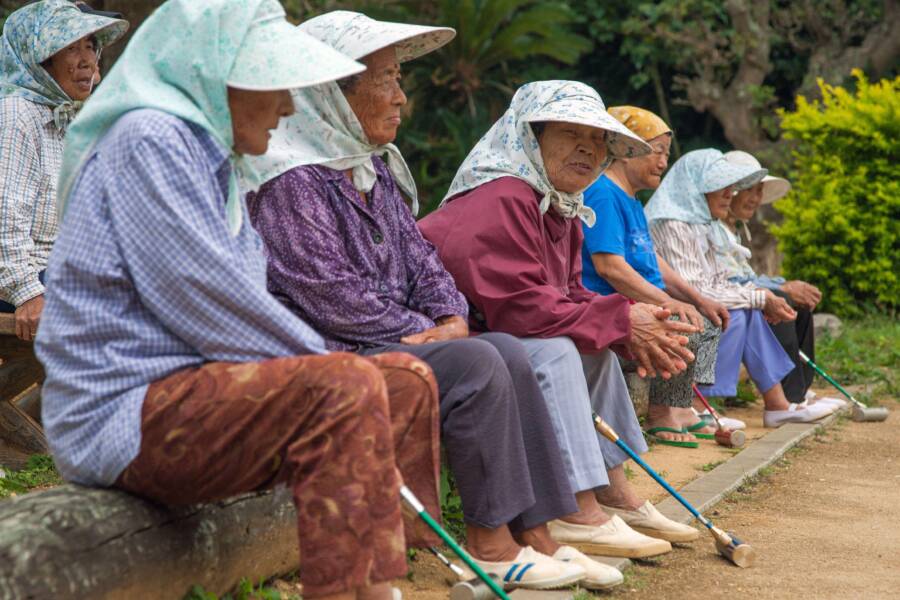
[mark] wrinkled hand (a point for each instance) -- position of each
(685, 312)
(448, 328)
(28, 314)
(777, 310)
(803, 294)
(715, 312)
(657, 343)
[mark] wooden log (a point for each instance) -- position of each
(21, 433)
(75, 542)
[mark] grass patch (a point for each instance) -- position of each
(244, 591)
(866, 353)
(39, 473)
(712, 465)
(451, 507)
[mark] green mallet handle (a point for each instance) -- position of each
(818, 370)
(417, 506)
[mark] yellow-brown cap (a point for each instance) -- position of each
(644, 123)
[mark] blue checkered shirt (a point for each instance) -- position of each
(144, 281)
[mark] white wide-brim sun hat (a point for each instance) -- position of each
(274, 55)
(587, 109)
(357, 35)
(774, 188)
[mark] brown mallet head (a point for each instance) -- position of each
(731, 438)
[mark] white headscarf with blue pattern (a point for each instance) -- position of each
(682, 194)
(36, 32)
(510, 148)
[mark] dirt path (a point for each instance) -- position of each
(826, 525)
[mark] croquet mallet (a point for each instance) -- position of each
(419, 509)
(861, 412)
(465, 588)
(730, 438)
(728, 545)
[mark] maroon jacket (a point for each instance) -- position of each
(521, 270)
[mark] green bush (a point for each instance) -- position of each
(842, 219)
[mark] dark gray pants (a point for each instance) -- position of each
(678, 391)
(496, 431)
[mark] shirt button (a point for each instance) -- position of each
(377, 237)
(383, 287)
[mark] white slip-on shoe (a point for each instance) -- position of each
(649, 521)
(796, 414)
(396, 594)
(532, 570)
(598, 575)
(812, 398)
(727, 422)
(613, 538)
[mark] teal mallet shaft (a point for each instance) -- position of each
(861, 412)
(419, 509)
(728, 545)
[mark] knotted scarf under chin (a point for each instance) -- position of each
(65, 113)
(568, 206)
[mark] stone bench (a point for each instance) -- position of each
(21, 434)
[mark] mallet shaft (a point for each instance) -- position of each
(825, 376)
(707, 405)
(419, 508)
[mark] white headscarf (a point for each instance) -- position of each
(510, 147)
(325, 130)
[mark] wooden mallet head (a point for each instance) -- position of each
(729, 546)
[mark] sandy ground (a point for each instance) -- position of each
(826, 525)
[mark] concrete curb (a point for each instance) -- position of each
(708, 490)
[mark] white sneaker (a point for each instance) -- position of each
(598, 575)
(533, 571)
(796, 414)
(649, 521)
(613, 538)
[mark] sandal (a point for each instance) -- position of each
(651, 433)
(700, 425)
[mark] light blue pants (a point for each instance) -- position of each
(750, 340)
(574, 386)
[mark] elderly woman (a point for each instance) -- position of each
(618, 257)
(734, 259)
(697, 190)
(345, 255)
(171, 372)
(510, 234)
(48, 60)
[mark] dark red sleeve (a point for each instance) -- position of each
(489, 240)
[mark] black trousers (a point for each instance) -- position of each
(794, 336)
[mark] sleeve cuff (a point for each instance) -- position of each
(758, 299)
(26, 292)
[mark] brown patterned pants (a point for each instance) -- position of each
(335, 428)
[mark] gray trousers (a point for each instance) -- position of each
(677, 391)
(496, 431)
(574, 386)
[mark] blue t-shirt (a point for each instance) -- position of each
(621, 228)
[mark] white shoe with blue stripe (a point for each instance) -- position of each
(534, 571)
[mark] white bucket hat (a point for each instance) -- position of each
(275, 55)
(357, 35)
(773, 187)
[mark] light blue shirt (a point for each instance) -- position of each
(144, 281)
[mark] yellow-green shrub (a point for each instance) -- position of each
(842, 218)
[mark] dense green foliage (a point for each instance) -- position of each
(842, 220)
(38, 473)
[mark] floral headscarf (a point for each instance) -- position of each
(510, 147)
(325, 130)
(681, 195)
(247, 44)
(36, 32)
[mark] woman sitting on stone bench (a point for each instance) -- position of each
(171, 372)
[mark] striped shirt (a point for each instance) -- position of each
(30, 157)
(145, 280)
(686, 247)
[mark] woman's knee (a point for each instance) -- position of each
(347, 380)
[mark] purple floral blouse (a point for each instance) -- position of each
(358, 272)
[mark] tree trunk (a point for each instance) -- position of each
(75, 542)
